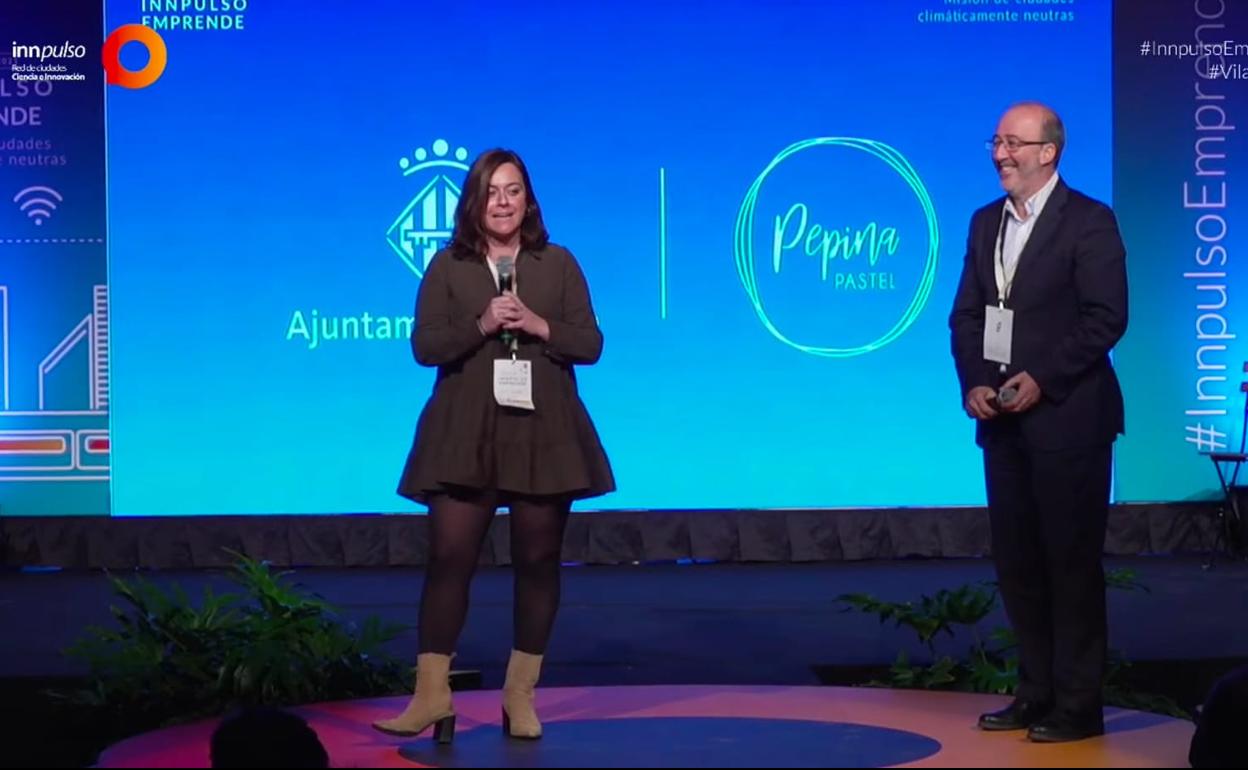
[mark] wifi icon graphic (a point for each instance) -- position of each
(36, 202)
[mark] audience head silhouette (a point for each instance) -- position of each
(1219, 740)
(266, 737)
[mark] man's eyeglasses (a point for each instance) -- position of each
(1012, 143)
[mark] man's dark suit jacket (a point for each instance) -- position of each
(1069, 298)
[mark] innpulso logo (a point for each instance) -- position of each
(836, 246)
(115, 72)
(44, 52)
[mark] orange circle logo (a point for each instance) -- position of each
(157, 56)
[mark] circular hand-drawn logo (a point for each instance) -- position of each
(836, 245)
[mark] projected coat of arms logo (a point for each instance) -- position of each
(425, 223)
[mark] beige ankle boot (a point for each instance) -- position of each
(430, 704)
(519, 716)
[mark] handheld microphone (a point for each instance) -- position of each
(506, 274)
(506, 267)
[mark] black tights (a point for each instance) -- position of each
(457, 527)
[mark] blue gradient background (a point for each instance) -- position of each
(259, 175)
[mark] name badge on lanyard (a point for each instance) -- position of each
(999, 319)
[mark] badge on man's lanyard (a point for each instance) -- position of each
(999, 319)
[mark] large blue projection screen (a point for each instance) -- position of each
(770, 201)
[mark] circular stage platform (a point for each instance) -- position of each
(703, 726)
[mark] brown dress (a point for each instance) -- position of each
(464, 438)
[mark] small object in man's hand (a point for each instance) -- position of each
(1006, 396)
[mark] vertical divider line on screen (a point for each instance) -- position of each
(662, 242)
